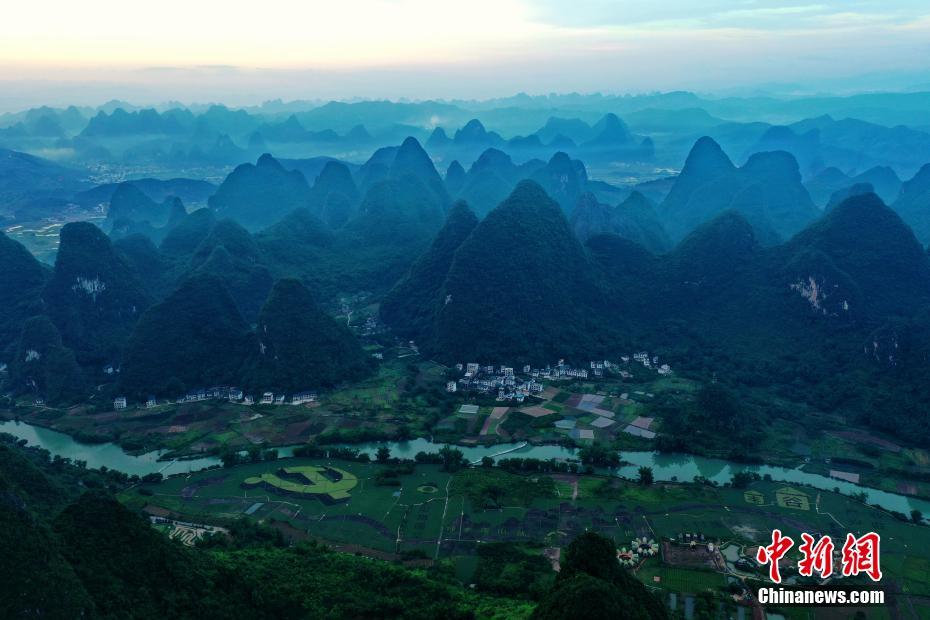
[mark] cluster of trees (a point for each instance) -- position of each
(252, 454)
(591, 584)
(530, 465)
(715, 421)
(71, 552)
(598, 454)
(68, 554)
(451, 459)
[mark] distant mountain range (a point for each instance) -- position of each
(767, 191)
(31, 184)
(761, 280)
(769, 241)
(836, 294)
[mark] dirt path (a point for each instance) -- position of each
(442, 521)
(824, 512)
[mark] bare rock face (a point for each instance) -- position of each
(93, 297)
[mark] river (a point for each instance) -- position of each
(665, 467)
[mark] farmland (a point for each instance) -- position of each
(406, 398)
(428, 513)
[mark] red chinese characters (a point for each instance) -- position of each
(816, 556)
(771, 554)
(860, 555)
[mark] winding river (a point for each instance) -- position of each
(665, 467)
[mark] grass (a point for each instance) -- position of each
(528, 509)
(682, 580)
(506, 489)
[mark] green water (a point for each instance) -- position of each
(665, 467)
(98, 455)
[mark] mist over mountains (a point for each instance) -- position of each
(540, 356)
(524, 230)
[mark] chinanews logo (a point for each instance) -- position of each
(859, 556)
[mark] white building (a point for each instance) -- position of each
(267, 398)
(119, 402)
(151, 402)
(451, 386)
(303, 397)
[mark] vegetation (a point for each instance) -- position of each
(195, 338)
(591, 584)
(43, 366)
(301, 347)
(92, 296)
(230, 253)
(411, 305)
(128, 202)
(67, 556)
(634, 219)
(259, 195)
(21, 281)
(767, 191)
(521, 310)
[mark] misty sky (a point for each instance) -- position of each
(209, 50)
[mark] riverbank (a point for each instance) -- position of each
(429, 511)
(665, 467)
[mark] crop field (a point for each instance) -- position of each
(684, 580)
(434, 513)
(408, 395)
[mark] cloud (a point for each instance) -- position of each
(741, 14)
(442, 48)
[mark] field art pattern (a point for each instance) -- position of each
(326, 483)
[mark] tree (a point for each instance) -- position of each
(599, 454)
(592, 584)
(229, 457)
(583, 597)
(917, 516)
(452, 459)
(645, 476)
(592, 554)
(741, 479)
(492, 495)
(718, 409)
(384, 454)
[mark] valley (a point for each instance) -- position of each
(408, 399)
(536, 356)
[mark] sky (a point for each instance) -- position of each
(241, 53)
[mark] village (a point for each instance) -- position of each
(231, 394)
(511, 386)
